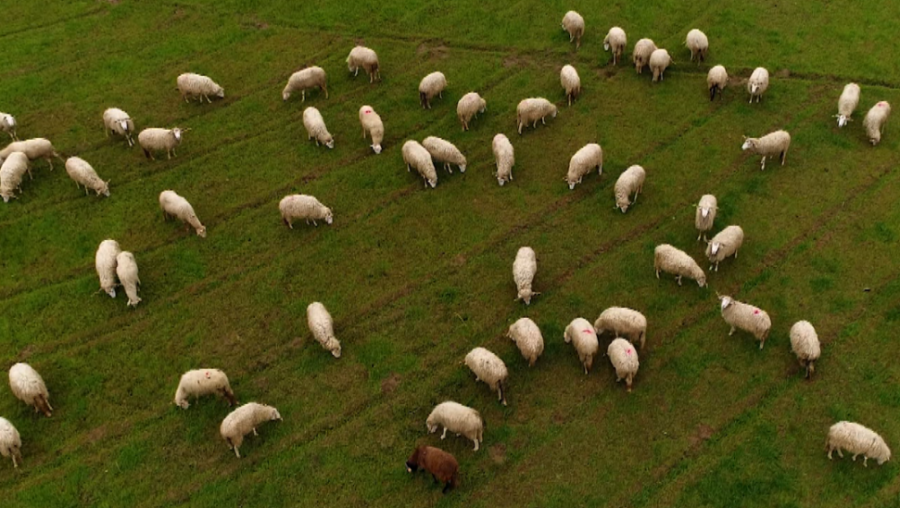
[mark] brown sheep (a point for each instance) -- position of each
(442, 466)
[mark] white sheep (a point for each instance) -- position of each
(624, 359)
(771, 145)
(10, 442)
(458, 419)
(302, 80)
(243, 421)
(28, 386)
(8, 125)
(361, 56)
(641, 54)
(615, 40)
(301, 206)
(372, 124)
(105, 261)
(12, 170)
(173, 205)
(847, 103)
(127, 271)
(35, 148)
(315, 127)
(669, 259)
(573, 23)
(322, 327)
(659, 62)
(431, 85)
(582, 335)
(416, 156)
(524, 269)
(489, 368)
(706, 215)
(697, 42)
(874, 121)
(623, 322)
(631, 181)
(583, 162)
(200, 382)
(716, 81)
(746, 317)
(445, 152)
(504, 158)
(155, 139)
(468, 107)
(527, 336)
(529, 111)
(758, 83)
(805, 344)
(571, 83)
(83, 173)
(119, 123)
(858, 440)
(725, 243)
(196, 85)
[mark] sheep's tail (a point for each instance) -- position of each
(712, 92)
(454, 480)
(41, 402)
(422, 98)
(502, 394)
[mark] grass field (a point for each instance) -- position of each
(417, 278)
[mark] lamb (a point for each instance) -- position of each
(28, 386)
(847, 103)
(659, 61)
(571, 83)
(573, 23)
(458, 419)
(173, 205)
(10, 442)
(524, 268)
(615, 40)
(431, 85)
(489, 368)
(445, 152)
(582, 335)
(11, 172)
(442, 466)
(469, 106)
(243, 421)
(624, 359)
(716, 81)
(534, 109)
(770, 145)
(119, 123)
(106, 261)
(504, 158)
(196, 85)
(706, 215)
(322, 327)
(623, 322)
(315, 127)
(35, 148)
(724, 244)
(669, 259)
(84, 174)
(310, 77)
(758, 83)
(200, 382)
(361, 56)
(641, 54)
(874, 121)
(585, 159)
(857, 439)
(416, 156)
(371, 124)
(527, 336)
(301, 206)
(127, 271)
(8, 125)
(155, 139)
(697, 42)
(805, 344)
(747, 318)
(630, 181)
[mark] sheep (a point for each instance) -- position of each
(416, 156)
(615, 40)
(28, 386)
(442, 466)
(641, 54)
(195, 85)
(706, 215)
(623, 322)
(770, 145)
(534, 109)
(173, 205)
(669, 259)
(582, 335)
(805, 344)
(746, 317)
(724, 244)
(504, 158)
(659, 61)
(573, 23)
(200, 382)
(8, 125)
(106, 261)
(372, 124)
(624, 359)
(156, 139)
(322, 327)
(311, 77)
(127, 271)
(301, 206)
(857, 439)
(243, 421)
(445, 152)
(489, 368)
(527, 336)
(83, 173)
(315, 127)
(431, 85)
(10, 442)
(571, 83)
(11, 172)
(875, 120)
(716, 81)
(524, 268)
(361, 56)
(630, 181)
(847, 103)
(697, 42)
(35, 148)
(119, 123)
(758, 83)
(469, 106)
(458, 419)
(584, 160)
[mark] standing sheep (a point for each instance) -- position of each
(322, 327)
(504, 158)
(458, 419)
(623, 322)
(243, 421)
(624, 359)
(106, 261)
(442, 466)
(758, 83)
(724, 244)
(527, 336)
(615, 40)
(83, 173)
(416, 156)
(847, 103)
(315, 127)
(127, 271)
(469, 106)
(669, 259)
(371, 124)
(631, 181)
(200, 382)
(857, 440)
(524, 269)
(805, 344)
(489, 368)
(716, 81)
(571, 83)
(659, 62)
(28, 386)
(641, 54)
(301, 206)
(196, 85)
(534, 109)
(155, 139)
(706, 215)
(747, 318)
(573, 23)
(361, 56)
(8, 125)
(311, 77)
(431, 85)
(697, 42)
(445, 152)
(771, 145)
(35, 148)
(873, 122)
(119, 123)
(10, 442)
(585, 159)
(12, 170)
(582, 335)
(173, 205)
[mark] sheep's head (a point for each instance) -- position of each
(183, 404)
(483, 106)
(553, 110)
(714, 248)
(329, 142)
(286, 94)
(725, 302)
(501, 181)
(329, 217)
(623, 205)
(376, 149)
(176, 132)
(104, 189)
(704, 212)
(606, 43)
(336, 349)
(412, 463)
(525, 295)
(701, 280)
(201, 231)
(275, 415)
(123, 124)
(111, 292)
(432, 427)
(754, 87)
(6, 196)
(220, 92)
(432, 182)
(749, 143)
(842, 120)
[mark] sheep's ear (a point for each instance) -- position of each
(745, 138)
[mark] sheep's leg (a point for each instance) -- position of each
(678, 279)
(751, 98)
(15, 465)
(356, 73)
(763, 167)
(303, 96)
(254, 431)
(208, 99)
(657, 273)
(840, 454)
(444, 434)
(731, 332)
(865, 459)
(542, 121)
(315, 223)
(783, 157)
(854, 457)
(476, 445)
(441, 94)
(236, 452)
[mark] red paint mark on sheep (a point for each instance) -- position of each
(627, 351)
(756, 311)
(587, 330)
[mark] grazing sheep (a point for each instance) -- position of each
(615, 40)
(106, 261)
(527, 336)
(716, 81)
(310, 77)
(442, 466)
(10, 442)
(630, 181)
(697, 42)
(301, 206)
(431, 85)
(873, 122)
(724, 244)
(458, 419)
(771, 145)
(624, 359)
(659, 62)
(669, 259)
(489, 368)
(371, 124)
(706, 215)
(534, 109)
(243, 421)
(35, 148)
(445, 152)
(155, 139)
(582, 335)
(573, 23)
(28, 386)
(623, 322)
(127, 271)
(416, 156)
(524, 269)
(858, 440)
(504, 158)
(8, 125)
(469, 106)
(758, 83)
(641, 54)
(196, 85)
(847, 103)
(361, 56)
(805, 344)
(315, 127)
(585, 159)
(119, 123)
(83, 173)
(173, 205)
(200, 382)
(12, 170)
(747, 318)
(322, 327)
(571, 83)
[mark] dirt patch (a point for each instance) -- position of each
(96, 434)
(782, 73)
(437, 52)
(25, 353)
(297, 343)
(704, 432)
(497, 453)
(389, 384)
(459, 260)
(513, 61)
(558, 418)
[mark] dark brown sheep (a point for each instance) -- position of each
(442, 466)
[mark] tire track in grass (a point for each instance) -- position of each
(60, 21)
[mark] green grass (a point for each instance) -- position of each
(416, 278)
